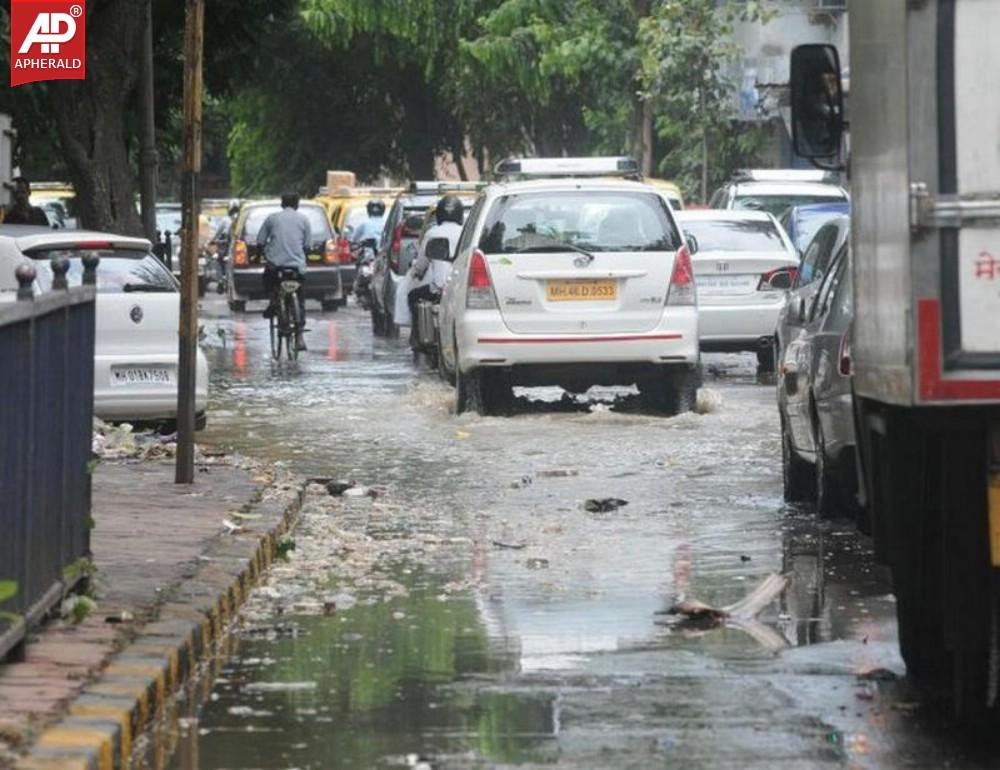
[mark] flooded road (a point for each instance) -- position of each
(472, 612)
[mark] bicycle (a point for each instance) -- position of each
(286, 322)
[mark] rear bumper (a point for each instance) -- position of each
(737, 327)
(147, 401)
(322, 283)
(484, 340)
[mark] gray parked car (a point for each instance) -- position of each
(815, 264)
(815, 400)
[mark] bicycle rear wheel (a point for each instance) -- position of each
(292, 326)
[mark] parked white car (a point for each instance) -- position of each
(138, 307)
(743, 265)
(573, 279)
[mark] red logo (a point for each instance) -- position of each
(48, 40)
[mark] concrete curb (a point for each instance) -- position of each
(104, 721)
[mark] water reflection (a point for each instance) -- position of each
(373, 679)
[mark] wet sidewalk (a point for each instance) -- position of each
(153, 543)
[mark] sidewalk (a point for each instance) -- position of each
(169, 574)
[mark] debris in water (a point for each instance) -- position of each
(537, 563)
(694, 616)
(877, 675)
(744, 557)
(707, 401)
(558, 473)
(512, 546)
(524, 481)
(337, 488)
(604, 504)
(230, 527)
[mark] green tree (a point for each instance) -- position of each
(687, 51)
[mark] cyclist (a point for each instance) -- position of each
(285, 237)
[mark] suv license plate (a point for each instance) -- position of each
(141, 376)
(581, 291)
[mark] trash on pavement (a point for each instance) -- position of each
(604, 504)
(512, 546)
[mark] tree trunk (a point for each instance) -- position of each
(642, 113)
(90, 118)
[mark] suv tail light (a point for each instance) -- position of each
(844, 359)
(681, 291)
(344, 251)
(780, 279)
(480, 294)
(397, 247)
(330, 253)
(241, 258)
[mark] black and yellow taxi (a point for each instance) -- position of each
(246, 264)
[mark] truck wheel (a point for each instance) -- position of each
(238, 305)
(798, 477)
(469, 392)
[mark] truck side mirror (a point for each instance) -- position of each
(817, 101)
(439, 249)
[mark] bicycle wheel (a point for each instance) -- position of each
(275, 337)
(292, 326)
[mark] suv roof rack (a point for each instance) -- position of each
(785, 175)
(616, 166)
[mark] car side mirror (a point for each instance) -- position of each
(802, 309)
(692, 243)
(817, 101)
(439, 249)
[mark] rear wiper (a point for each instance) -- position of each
(152, 287)
(555, 246)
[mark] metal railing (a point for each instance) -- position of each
(46, 423)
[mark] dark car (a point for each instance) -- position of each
(803, 222)
(246, 260)
(398, 248)
(815, 400)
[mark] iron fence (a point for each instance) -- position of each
(46, 422)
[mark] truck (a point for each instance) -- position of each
(924, 171)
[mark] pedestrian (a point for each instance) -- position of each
(285, 237)
(22, 212)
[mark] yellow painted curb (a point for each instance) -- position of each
(140, 669)
(122, 715)
(68, 738)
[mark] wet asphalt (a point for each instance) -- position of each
(464, 609)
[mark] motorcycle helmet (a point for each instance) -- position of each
(449, 209)
(376, 208)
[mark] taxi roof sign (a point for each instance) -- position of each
(621, 166)
(784, 175)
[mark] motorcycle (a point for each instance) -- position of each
(365, 258)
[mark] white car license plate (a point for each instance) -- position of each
(141, 375)
(727, 284)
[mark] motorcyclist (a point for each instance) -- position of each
(371, 228)
(427, 277)
(285, 237)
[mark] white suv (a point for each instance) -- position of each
(573, 280)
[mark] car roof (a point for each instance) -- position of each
(722, 215)
(791, 188)
(27, 237)
(572, 183)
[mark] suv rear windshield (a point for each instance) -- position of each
(120, 270)
(777, 204)
(319, 225)
(734, 234)
(606, 220)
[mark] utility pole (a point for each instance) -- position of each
(194, 26)
(147, 151)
